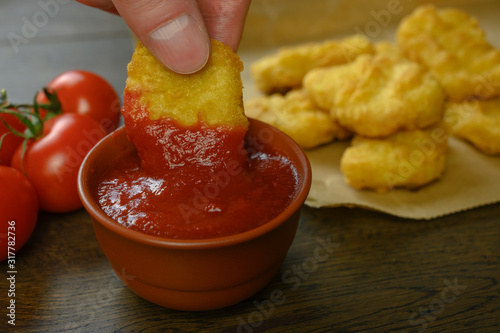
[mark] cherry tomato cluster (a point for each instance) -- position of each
(43, 144)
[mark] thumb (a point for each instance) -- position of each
(173, 31)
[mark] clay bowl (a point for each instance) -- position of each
(194, 274)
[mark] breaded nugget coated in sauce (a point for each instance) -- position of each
(377, 95)
(452, 45)
(285, 70)
(407, 159)
(164, 112)
(477, 122)
(298, 117)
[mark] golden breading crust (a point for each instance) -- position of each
(386, 47)
(213, 95)
(452, 45)
(284, 70)
(297, 116)
(477, 122)
(377, 95)
(408, 159)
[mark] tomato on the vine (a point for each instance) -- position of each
(18, 210)
(52, 161)
(69, 116)
(85, 93)
(10, 141)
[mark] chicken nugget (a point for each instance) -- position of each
(212, 95)
(284, 70)
(377, 95)
(477, 122)
(297, 116)
(407, 159)
(194, 120)
(453, 46)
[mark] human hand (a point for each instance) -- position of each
(177, 32)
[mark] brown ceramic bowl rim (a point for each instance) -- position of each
(95, 211)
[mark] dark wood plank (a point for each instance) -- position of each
(383, 274)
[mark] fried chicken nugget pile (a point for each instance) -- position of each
(377, 95)
(400, 101)
(476, 121)
(295, 115)
(406, 159)
(284, 70)
(166, 113)
(389, 102)
(453, 46)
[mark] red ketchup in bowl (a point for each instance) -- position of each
(196, 182)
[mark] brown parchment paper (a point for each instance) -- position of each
(471, 179)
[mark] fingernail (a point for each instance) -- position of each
(181, 45)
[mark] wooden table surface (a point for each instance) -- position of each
(384, 274)
(381, 274)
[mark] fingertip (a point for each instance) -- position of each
(182, 44)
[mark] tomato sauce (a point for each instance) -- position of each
(195, 182)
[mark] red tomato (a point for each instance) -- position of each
(18, 210)
(88, 94)
(10, 141)
(52, 162)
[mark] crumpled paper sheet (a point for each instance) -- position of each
(471, 179)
